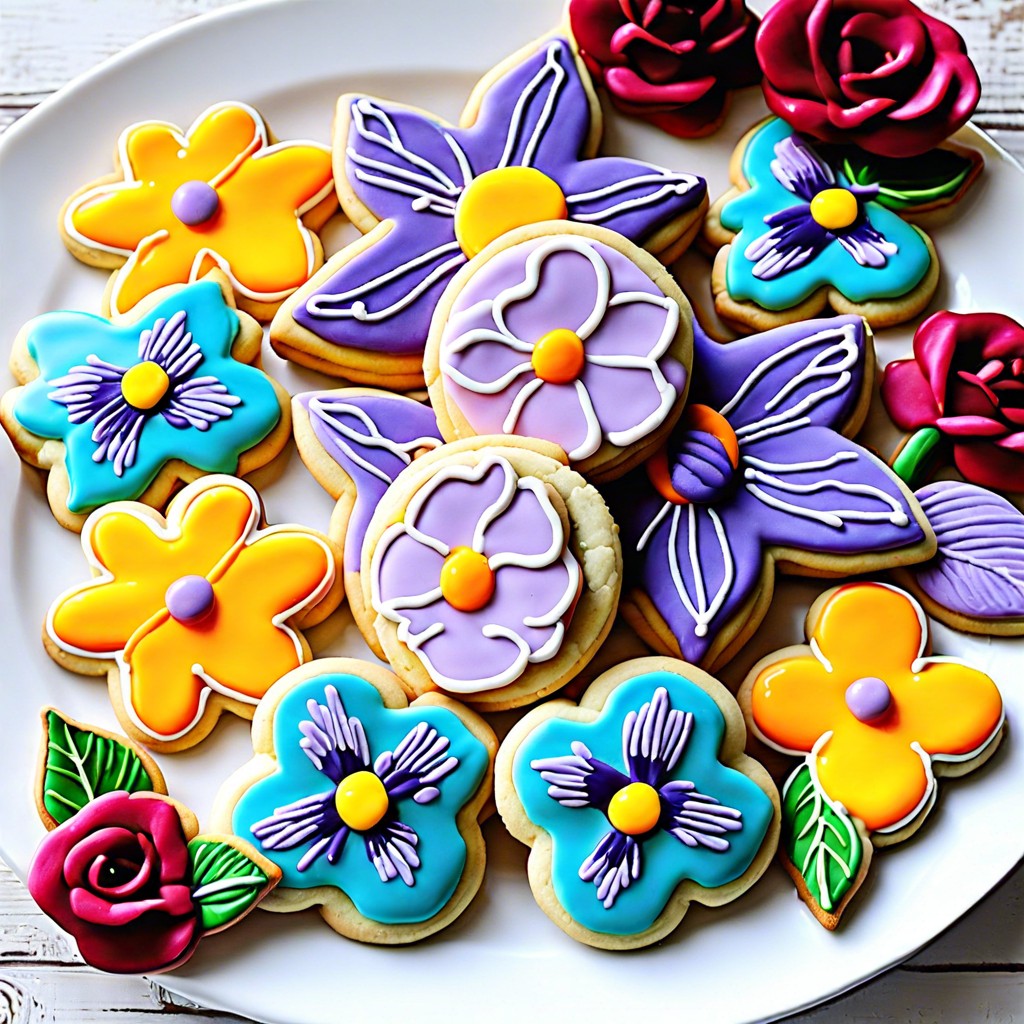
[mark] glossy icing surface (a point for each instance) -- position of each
(656, 730)
(413, 171)
(212, 409)
(217, 195)
(563, 338)
(400, 869)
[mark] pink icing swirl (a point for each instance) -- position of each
(881, 74)
(671, 63)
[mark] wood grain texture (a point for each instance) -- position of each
(973, 973)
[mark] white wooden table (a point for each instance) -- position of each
(973, 973)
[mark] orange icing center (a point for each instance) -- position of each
(467, 581)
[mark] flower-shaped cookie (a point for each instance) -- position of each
(800, 235)
(578, 338)
(478, 576)
(193, 611)
(640, 790)
(219, 195)
(360, 798)
(759, 469)
(432, 196)
(877, 718)
(131, 402)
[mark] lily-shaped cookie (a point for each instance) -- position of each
(218, 195)
(190, 615)
(432, 196)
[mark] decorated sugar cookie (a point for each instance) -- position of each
(355, 441)
(876, 722)
(430, 196)
(126, 409)
(122, 868)
(369, 805)
(493, 571)
(221, 195)
(796, 235)
(564, 332)
(760, 471)
(194, 614)
(637, 802)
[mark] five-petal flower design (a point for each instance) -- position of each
(524, 153)
(218, 195)
(870, 711)
(191, 607)
(758, 464)
(802, 226)
(128, 398)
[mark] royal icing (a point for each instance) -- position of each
(870, 710)
(761, 466)
(127, 399)
(467, 533)
(563, 338)
(192, 605)
(217, 195)
(636, 802)
(364, 798)
(802, 225)
(445, 192)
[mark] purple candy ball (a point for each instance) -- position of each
(195, 202)
(189, 599)
(868, 698)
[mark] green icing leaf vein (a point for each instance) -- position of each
(225, 882)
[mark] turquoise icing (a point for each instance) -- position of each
(441, 848)
(834, 266)
(62, 340)
(666, 862)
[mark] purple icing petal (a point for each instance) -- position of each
(559, 413)
(651, 396)
(409, 559)
(391, 848)
(334, 743)
(579, 779)
(312, 820)
(490, 359)
(524, 528)
(793, 239)
(633, 328)
(867, 245)
(653, 739)
(614, 863)
(798, 169)
(699, 820)
(701, 470)
(415, 767)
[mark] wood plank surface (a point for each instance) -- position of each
(973, 973)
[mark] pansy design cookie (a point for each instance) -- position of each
(760, 471)
(566, 333)
(194, 614)
(122, 869)
(127, 409)
(494, 571)
(430, 196)
(355, 441)
(875, 721)
(796, 235)
(369, 805)
(637, 802)
(221, 194)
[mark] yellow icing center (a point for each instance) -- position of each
(835, 208)
(144, 385)
(635, 809)
(558, 356)
(502, 199)
(361, 800)
(467, 581)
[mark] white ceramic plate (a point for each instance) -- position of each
(759, 958)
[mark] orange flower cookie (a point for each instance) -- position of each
(194, 614)
(877, 721)
(222, 194)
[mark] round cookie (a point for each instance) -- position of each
(565, 332)
(637, 802)
(429, 196)
(221, 195)
(369, 805)
(494, 571)
(129, 408)
(191, 615)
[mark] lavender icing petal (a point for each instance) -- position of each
(797, 168)
(634, 328)
(867, 245)
(651, 397)
(697, 819)
(558, 413)
(793, 239)
(408, 561)
(392, 849)
(653, 739)
(614, 863)
(524, 528)
(579, 779)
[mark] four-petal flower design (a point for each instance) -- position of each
(759, 465)
(432, 195)
(875, 716)
(190, 608)
(218, 195)
(127, 399)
